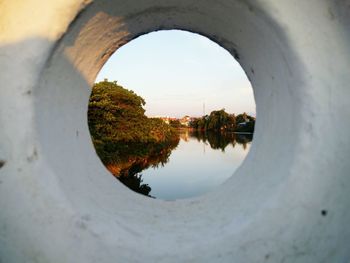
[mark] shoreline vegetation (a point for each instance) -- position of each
(119, 128)
(127, 141)
(218, 120)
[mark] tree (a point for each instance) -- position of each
(119, 127)
(245, 123)
(175, 124)
(218, 120)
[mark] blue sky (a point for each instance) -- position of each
(176, 72)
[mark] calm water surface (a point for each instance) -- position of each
(199, 163)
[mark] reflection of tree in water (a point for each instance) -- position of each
(129, 170)
(244, 139)
(127, 167)
(220, 140)
(134, 182)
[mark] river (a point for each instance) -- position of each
(197, 164)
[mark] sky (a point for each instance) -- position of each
(180, 73)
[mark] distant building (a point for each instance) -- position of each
(185, 121)
(167, 119)
(242, 124)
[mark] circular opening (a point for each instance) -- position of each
(172, 115)
(291, 201)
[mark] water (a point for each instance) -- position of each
(197, 164)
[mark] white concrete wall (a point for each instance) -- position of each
(289, 200)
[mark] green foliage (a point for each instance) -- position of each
(199, 123)
(220, 120)
(119, 127)
(245, 123)
(175, 124)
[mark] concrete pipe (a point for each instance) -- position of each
(289, 200)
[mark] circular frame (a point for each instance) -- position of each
(274, 208)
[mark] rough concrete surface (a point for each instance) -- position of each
(289, 200)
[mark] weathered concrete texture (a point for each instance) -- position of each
(288, 202)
